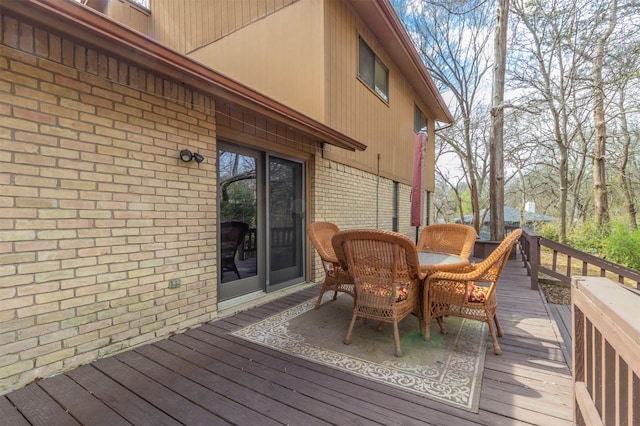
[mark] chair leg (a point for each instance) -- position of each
(347, 339)
(335, 294)
(235, 269)
(494, 339)
(425, 322)
(443, 330)
(396, 337)
(320, 297)
(498, 328)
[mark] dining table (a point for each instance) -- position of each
(431, 262)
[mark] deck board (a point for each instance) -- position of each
(562, 315)
(82, 405)
(9, 413)
(208, 376)
(38, 408)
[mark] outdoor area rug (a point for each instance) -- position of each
(447, 368)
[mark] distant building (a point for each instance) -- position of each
(512, 218)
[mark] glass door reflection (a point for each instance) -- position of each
(286, 221)
(238, 187)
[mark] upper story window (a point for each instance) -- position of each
(141, 3)
(101, 6)
(372, 71)
(419, 120)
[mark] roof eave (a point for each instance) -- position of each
(86, 25)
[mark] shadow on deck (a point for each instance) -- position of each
(206, 376)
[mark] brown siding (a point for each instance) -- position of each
(186, 25)
(127, 13)
(280, 56)
(352, 108)
(333, 95)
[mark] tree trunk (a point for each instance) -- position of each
(496, 137)
(599, 149)
(601, 204)
(627, 188)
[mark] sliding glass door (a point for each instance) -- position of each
(240, 269)
(261, 222)
(286, 221)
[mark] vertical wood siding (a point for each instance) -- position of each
(185, 25)
(354, 109)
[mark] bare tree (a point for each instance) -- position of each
(496, 138)
(625, 148)
(547, 77)
(452, 39)
(601, 19)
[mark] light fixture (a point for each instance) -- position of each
(186, 156)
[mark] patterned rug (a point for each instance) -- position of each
(447, 368)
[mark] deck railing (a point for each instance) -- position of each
(573, 259)
(606, 352)
(606, 329)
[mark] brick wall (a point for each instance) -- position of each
(97, 213)
(352, 198)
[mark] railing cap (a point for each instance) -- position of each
(616, 301)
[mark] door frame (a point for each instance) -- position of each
(262, 219)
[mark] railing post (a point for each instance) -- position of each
(534, 253)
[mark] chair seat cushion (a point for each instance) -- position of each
(475, 293)
(384, 290)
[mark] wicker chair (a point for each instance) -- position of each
(457, 293)
(386, 273)
(336, 278)
(449, 238)
(231, 237)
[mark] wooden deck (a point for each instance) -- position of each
(206, 376)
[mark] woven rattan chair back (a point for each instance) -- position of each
(449, 238)
(336, 278)
(459, 294)
(386, 272)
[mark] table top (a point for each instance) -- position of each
(432, 262)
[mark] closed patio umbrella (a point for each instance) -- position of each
(417, 190)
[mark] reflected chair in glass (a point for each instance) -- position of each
(336, 278)
(460, 293)
(232, 235)
(448, 238)
(386, 273)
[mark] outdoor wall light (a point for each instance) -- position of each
(186, 156)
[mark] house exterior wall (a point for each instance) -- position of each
(280, 56)
(97, 213)
(188, 25)
(125, 11)
(353, 198)
(354, 109)
(302, 53)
